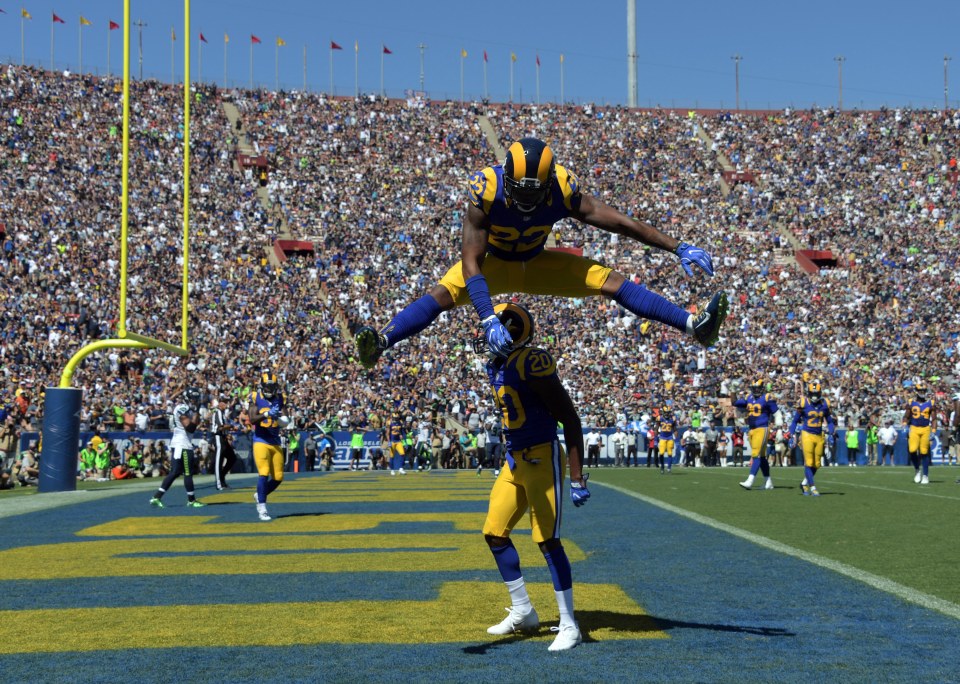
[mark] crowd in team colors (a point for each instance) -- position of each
(379, 187)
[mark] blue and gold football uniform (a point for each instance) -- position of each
(919, 417)
(668, 430)
(810, 419)
(516, 260)
(537, 463)
(760, 409)
(267, 451)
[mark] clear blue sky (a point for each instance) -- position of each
(894, 52)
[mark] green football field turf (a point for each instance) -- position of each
(875, 519)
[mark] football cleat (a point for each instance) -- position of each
(156, 502)
(516, 622)
(706, 324)
(917, 477)
(195, 504)
(744, 485)
(370, 345)
(262, 513)
(568, 636)
(924, 480)
(768, 485)
(814, 492)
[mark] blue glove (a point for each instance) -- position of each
(579, 492)
(694, 255)
(274, 412)
(498, 338)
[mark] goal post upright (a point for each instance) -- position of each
(60, 433)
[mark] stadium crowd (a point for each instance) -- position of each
(378, 186)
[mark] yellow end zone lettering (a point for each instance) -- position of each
(460, 614)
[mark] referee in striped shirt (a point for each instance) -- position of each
(224, 455)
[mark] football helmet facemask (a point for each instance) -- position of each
(921, 389)
(814, 391)
(518, 322)
(269, 385)
(757, 387)
(528, 173)
(192, 396)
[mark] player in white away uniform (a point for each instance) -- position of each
(186, 419)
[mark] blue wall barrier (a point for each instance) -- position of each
(371, 441)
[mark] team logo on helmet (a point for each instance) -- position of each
(814, 390)
(516, 319)
(269, 385)
(921, 389)
(528, 173)
(757, 386)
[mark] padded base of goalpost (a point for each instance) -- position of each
(61, 438)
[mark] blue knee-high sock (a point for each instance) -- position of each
(808, 471)
(925, 460)
(508, 561)
(272, 485)
(643, 302)
(754, 466)
(262, 489)
(412, 319)
(764, 466)
(559, 566)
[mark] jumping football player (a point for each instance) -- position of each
(512, 209)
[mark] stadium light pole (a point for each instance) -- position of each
(946, 60)
(840, 59)
(736, 70)
(421, 47)
(139, 24)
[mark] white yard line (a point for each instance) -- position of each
(882, 583)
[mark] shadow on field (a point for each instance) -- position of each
(649, 623)
(483, 649)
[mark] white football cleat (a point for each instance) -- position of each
(925, 480)
(745, 485)
(517, 621)
(768, 485)
(916, 478)
(262, 512)
(568, 637)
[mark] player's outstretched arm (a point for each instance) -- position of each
(596, 213)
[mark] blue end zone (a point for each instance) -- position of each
(731, 611)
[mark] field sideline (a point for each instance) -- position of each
(679, 577)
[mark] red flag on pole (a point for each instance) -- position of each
(114, 25)
(57, 20)
(253, 39)
(334, 46)
(484, 55)
(387, 51)
(202, 39)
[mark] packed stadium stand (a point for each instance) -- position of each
(370, 192)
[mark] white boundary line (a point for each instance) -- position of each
(882, 583)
